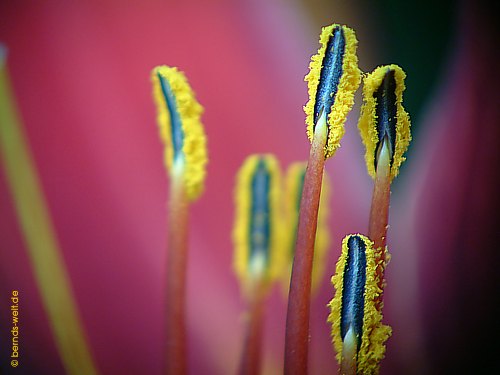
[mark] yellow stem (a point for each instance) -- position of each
(40, 237)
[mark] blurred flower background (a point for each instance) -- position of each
(80, 73)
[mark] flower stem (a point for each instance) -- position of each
(251, 357)
(297, 320)
(176, 275)
(379, 213)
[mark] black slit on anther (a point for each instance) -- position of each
(353, 290)
(331, 72)
(177, 134)
(386, 112)
(260, 226)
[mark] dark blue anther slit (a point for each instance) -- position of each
(175, 119)
(353, 292)
(331, 73)
(260, 212)
(386, 112)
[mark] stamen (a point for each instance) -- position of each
(355, 313)
(257, 229)
(325, 128)
(333, 79)
(179, 121)
(258, 256)
(383, 117)
(384, 126)
(185, 158)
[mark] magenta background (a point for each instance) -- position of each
(80, 72)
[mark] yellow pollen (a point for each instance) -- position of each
(374, 333)
(268, 268)
(348, 84)
(192, 163)
(368, 120)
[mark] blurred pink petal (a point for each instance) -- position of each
(454, 195)
(81, 76)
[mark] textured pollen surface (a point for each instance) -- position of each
(368, 119)
(374, 333)
(180, 126)
(245, 221)
(348, 83)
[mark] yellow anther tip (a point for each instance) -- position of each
(374, 334)
(349, 83)
(367, 121)
(194, 147)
